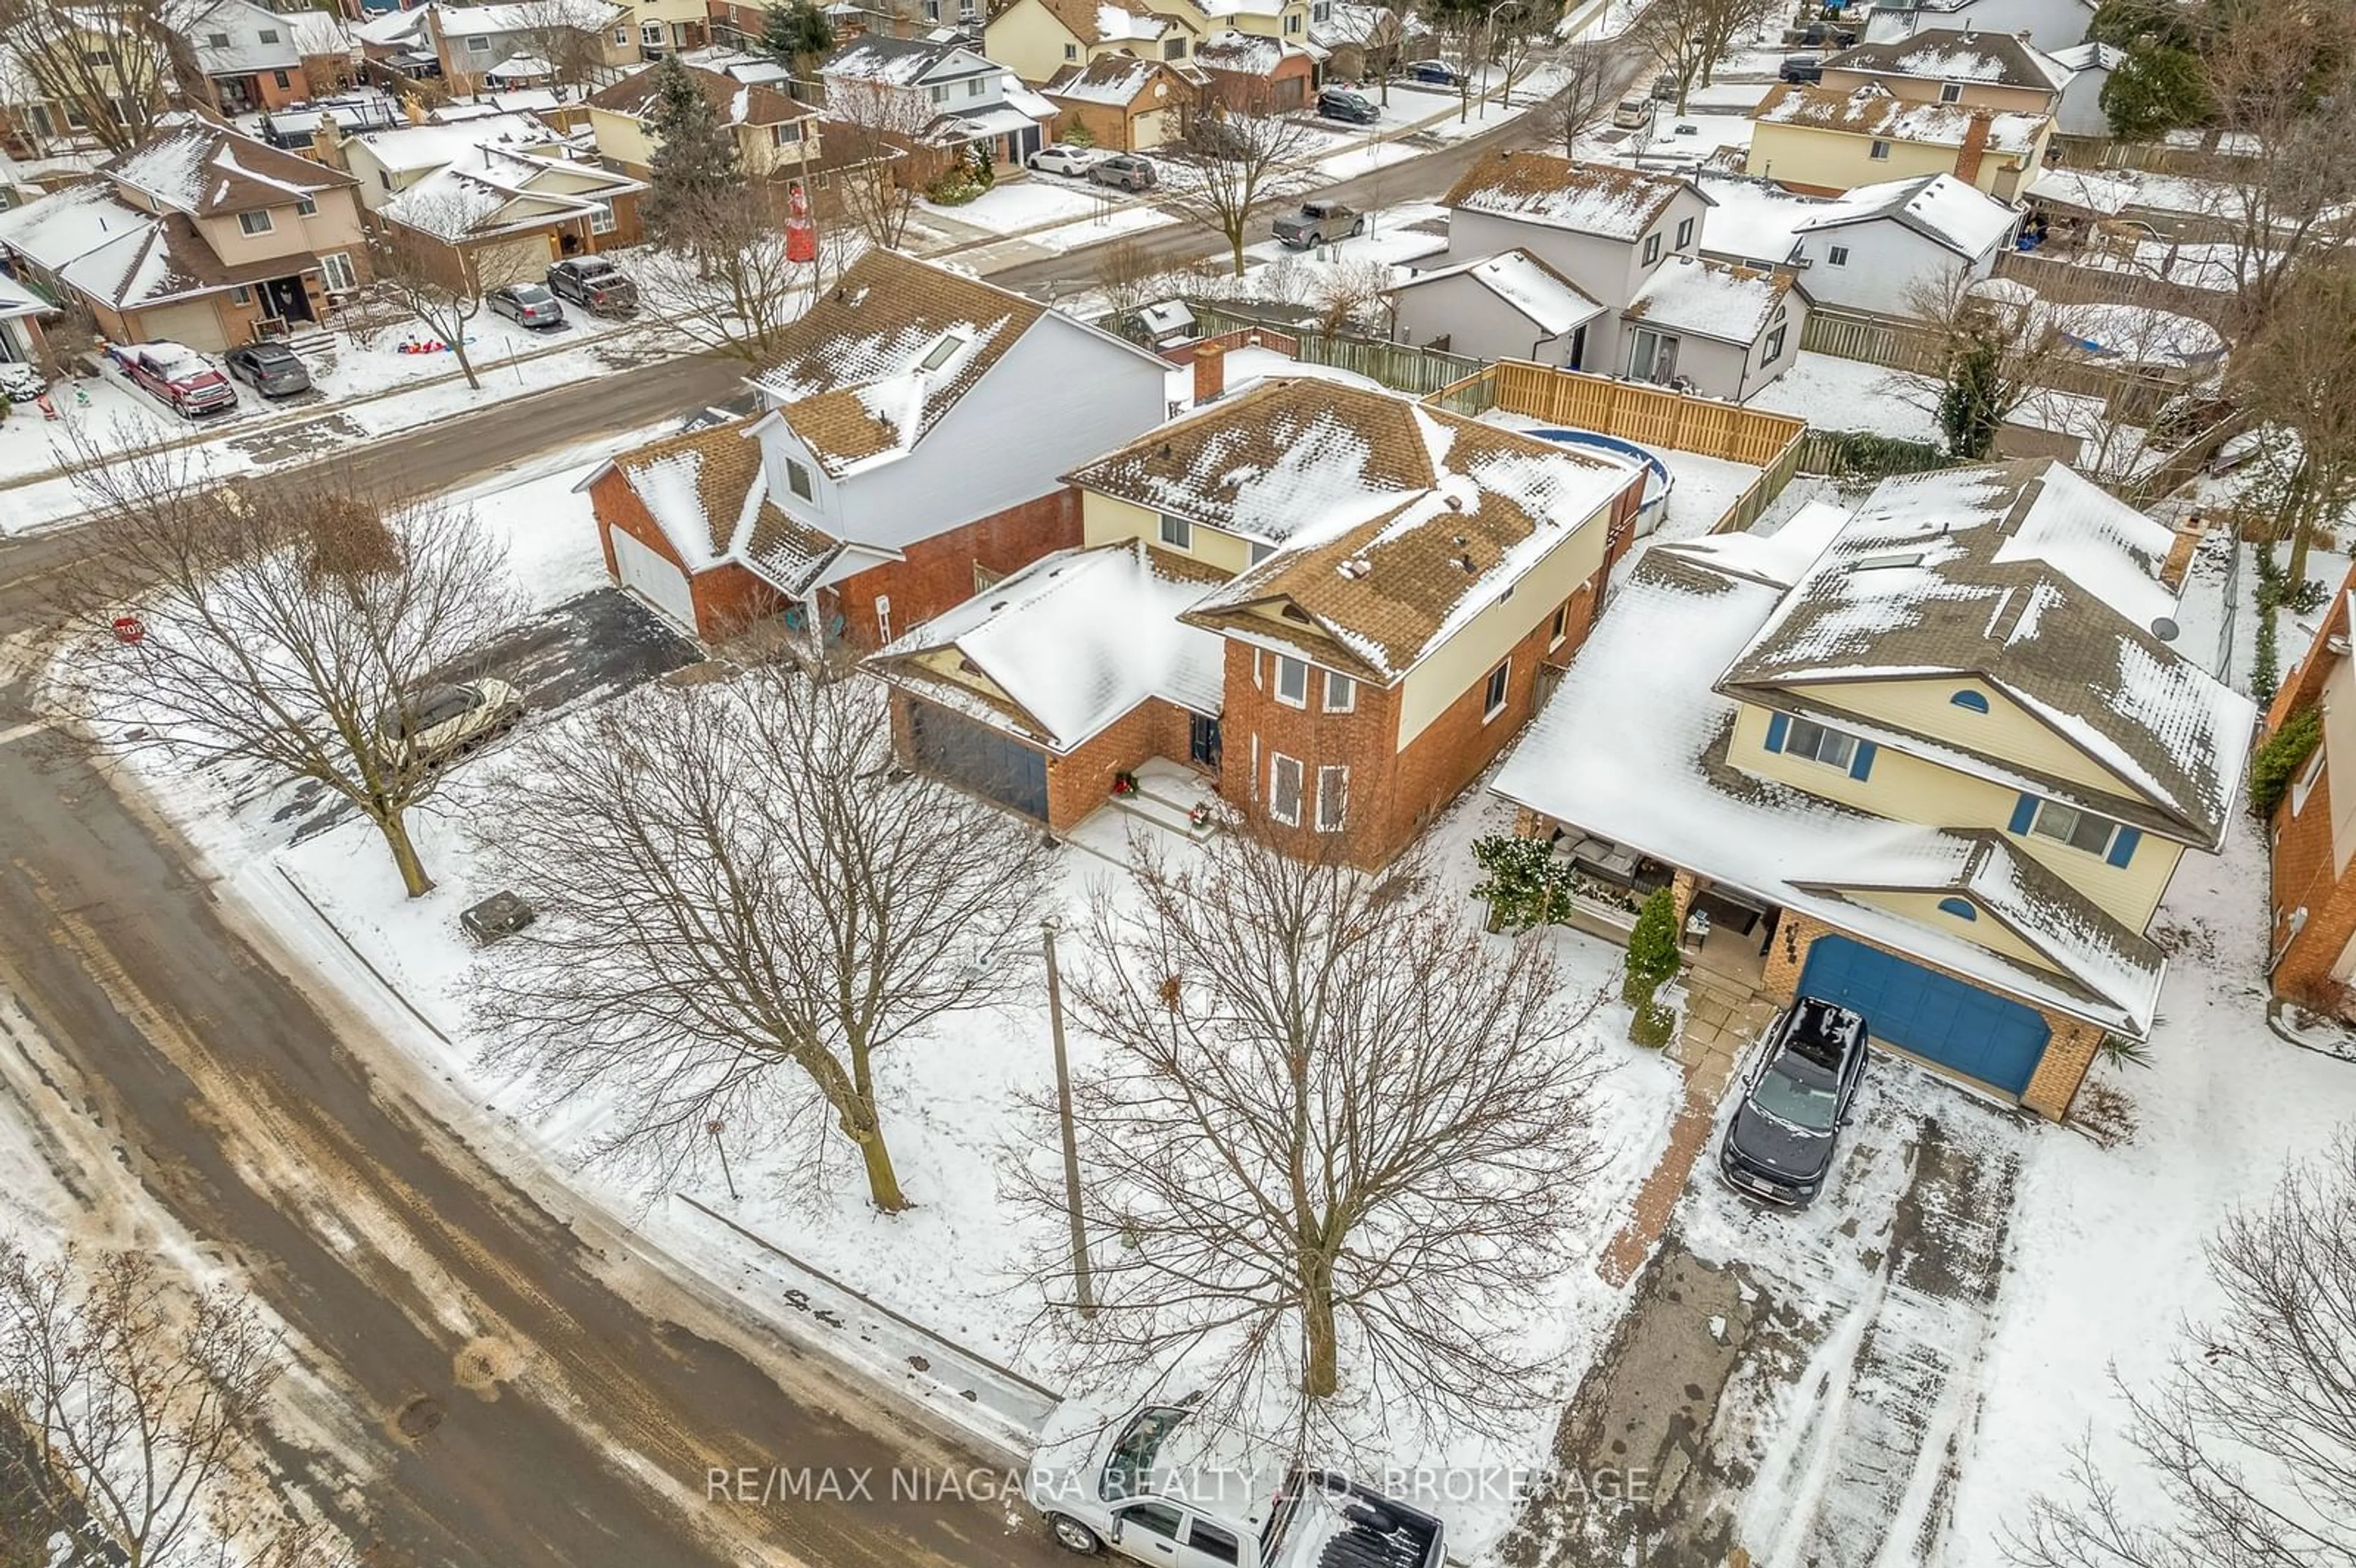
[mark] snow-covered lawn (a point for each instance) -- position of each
(951, 1098)
(1834, 393)
(1035, 200)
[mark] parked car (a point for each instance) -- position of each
(1634, 114)
(1801, 68)
(1318, 221)
(595, 284)
(1126, 170)
(20, 382)
(1664, 88)
(1352, 108)
(443, 723)
(1780, 1145)
(176, 376)
(271, 368)
(1063, 158)
(1824, 35)
(1159, 1490)
(1435, 73)
(526, 304)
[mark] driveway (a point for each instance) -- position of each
(1797, 1385)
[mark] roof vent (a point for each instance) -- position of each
(1456, 504)
(1356, 568)
(1887, 562)
(994, 609)
(1465, 560)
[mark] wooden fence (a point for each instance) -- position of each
(2132, 391)
(2064, 284)
(1418, 371)
(1648, 416)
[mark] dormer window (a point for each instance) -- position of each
(941, 353)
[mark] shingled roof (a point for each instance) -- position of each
(205, 169)
(1955, 54)
(1868, 112)
(735, 103)
(2045, 587)
(882, 356)
(706, 491)
(1603, 200)
(1394, 522)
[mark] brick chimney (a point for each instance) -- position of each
(1974, 147)
(1210, 373)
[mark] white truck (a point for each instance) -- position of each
(1149, 1487)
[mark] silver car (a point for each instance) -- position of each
(442, 724)
(526, 304)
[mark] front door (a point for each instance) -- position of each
(285, 299)
(1654, 358)
(1203, 743)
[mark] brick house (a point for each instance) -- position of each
(250, 57)
(2313, 951)
(1126, 105)
(1928, 758)
(917, 422)
(200, 235)
(1259, 73)
(1331, 604)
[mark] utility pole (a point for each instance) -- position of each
(1083, 1292)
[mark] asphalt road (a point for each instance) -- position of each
(499, 1383)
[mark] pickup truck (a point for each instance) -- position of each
(1318, 221)
(175, 375)
(1151, 1492)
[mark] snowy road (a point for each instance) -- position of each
(504, 1382)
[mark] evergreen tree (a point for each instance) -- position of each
(1970, 408)
(1652, 961)
(2154, 89)
(694, 160)
(797, 36)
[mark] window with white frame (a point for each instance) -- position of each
(1174, 48)
(1177, 532)
(336, 268)
(1773, 349)
(1837, 257)
(1820, 744)
(650, 35)
(1292, 23)
(1284, 788)
(254, 223)
(977, 87)
(1291, 681)
(1492, 695)
(304, 207)
(622, 34)
(798, 479)
(1071, 51)
(1559, 627)
(1684, 233)
(1333, 798)
(2079, 830)
(601, 217)
(1878, 152)
(939, 92)
(1652, 249)
(1341, 693)
(786, 135)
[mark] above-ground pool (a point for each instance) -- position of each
(1657, 477)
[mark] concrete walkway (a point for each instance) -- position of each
(1721, 1019)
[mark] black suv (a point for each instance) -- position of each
(1354, 108)
(1780, 1146)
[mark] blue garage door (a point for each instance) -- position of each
(1980, 1034)
(994, 766)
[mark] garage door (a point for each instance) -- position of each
(1978, 1034)
(655, 580)
(993, 765)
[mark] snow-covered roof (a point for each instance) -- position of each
(2108, 193)
(99, 245)
(706, 491)
(1871, 113)
(1603, 200)
(1535, 292)
(736, 102)
(1347, 23)
(882, 356)
(1117, 80)
(1955, 54)
(393, 29)
(902, 62)
(408, 148)
(17, 300)
(204, 168)
(1249, 54)
(1646, 678)
(1393, 523)
(1939, 208)
(2090, 56)
(2038, 582)
(528, 16)
(2139, 334)
(1061, 649)
(490, 188)
(1711, 299)
(736, 63)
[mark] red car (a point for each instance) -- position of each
(178, 376)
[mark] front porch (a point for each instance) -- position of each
(1724, 934)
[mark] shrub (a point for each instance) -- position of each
(1653, 1026)
(955, 188)
(1652, 950)
(1844, 454)
(2277, 760)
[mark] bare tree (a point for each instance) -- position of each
(568, 34)
(1686, 38)
(744, 906)
(1232, 166)
(874, 129)
(1349, 296)
(1588, 88)
(727, 282)
(1341, 1133)
(292, 624)
(2251, 1437)
(420, 256)
(142, 1404)
(110, 72)
(1989, 351)
(2300, 374)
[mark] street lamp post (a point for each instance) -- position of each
(1083, 1291)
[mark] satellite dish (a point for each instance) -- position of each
(2165, 629)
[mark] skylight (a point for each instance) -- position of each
(941, 352)
(1884, 563)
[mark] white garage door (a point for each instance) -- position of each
(655, 580)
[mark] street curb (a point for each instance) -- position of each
(353, 948)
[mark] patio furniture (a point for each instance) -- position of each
(1698, 928)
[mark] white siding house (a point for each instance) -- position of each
(2090, 65)
(1869, 249)
(2050, 25)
